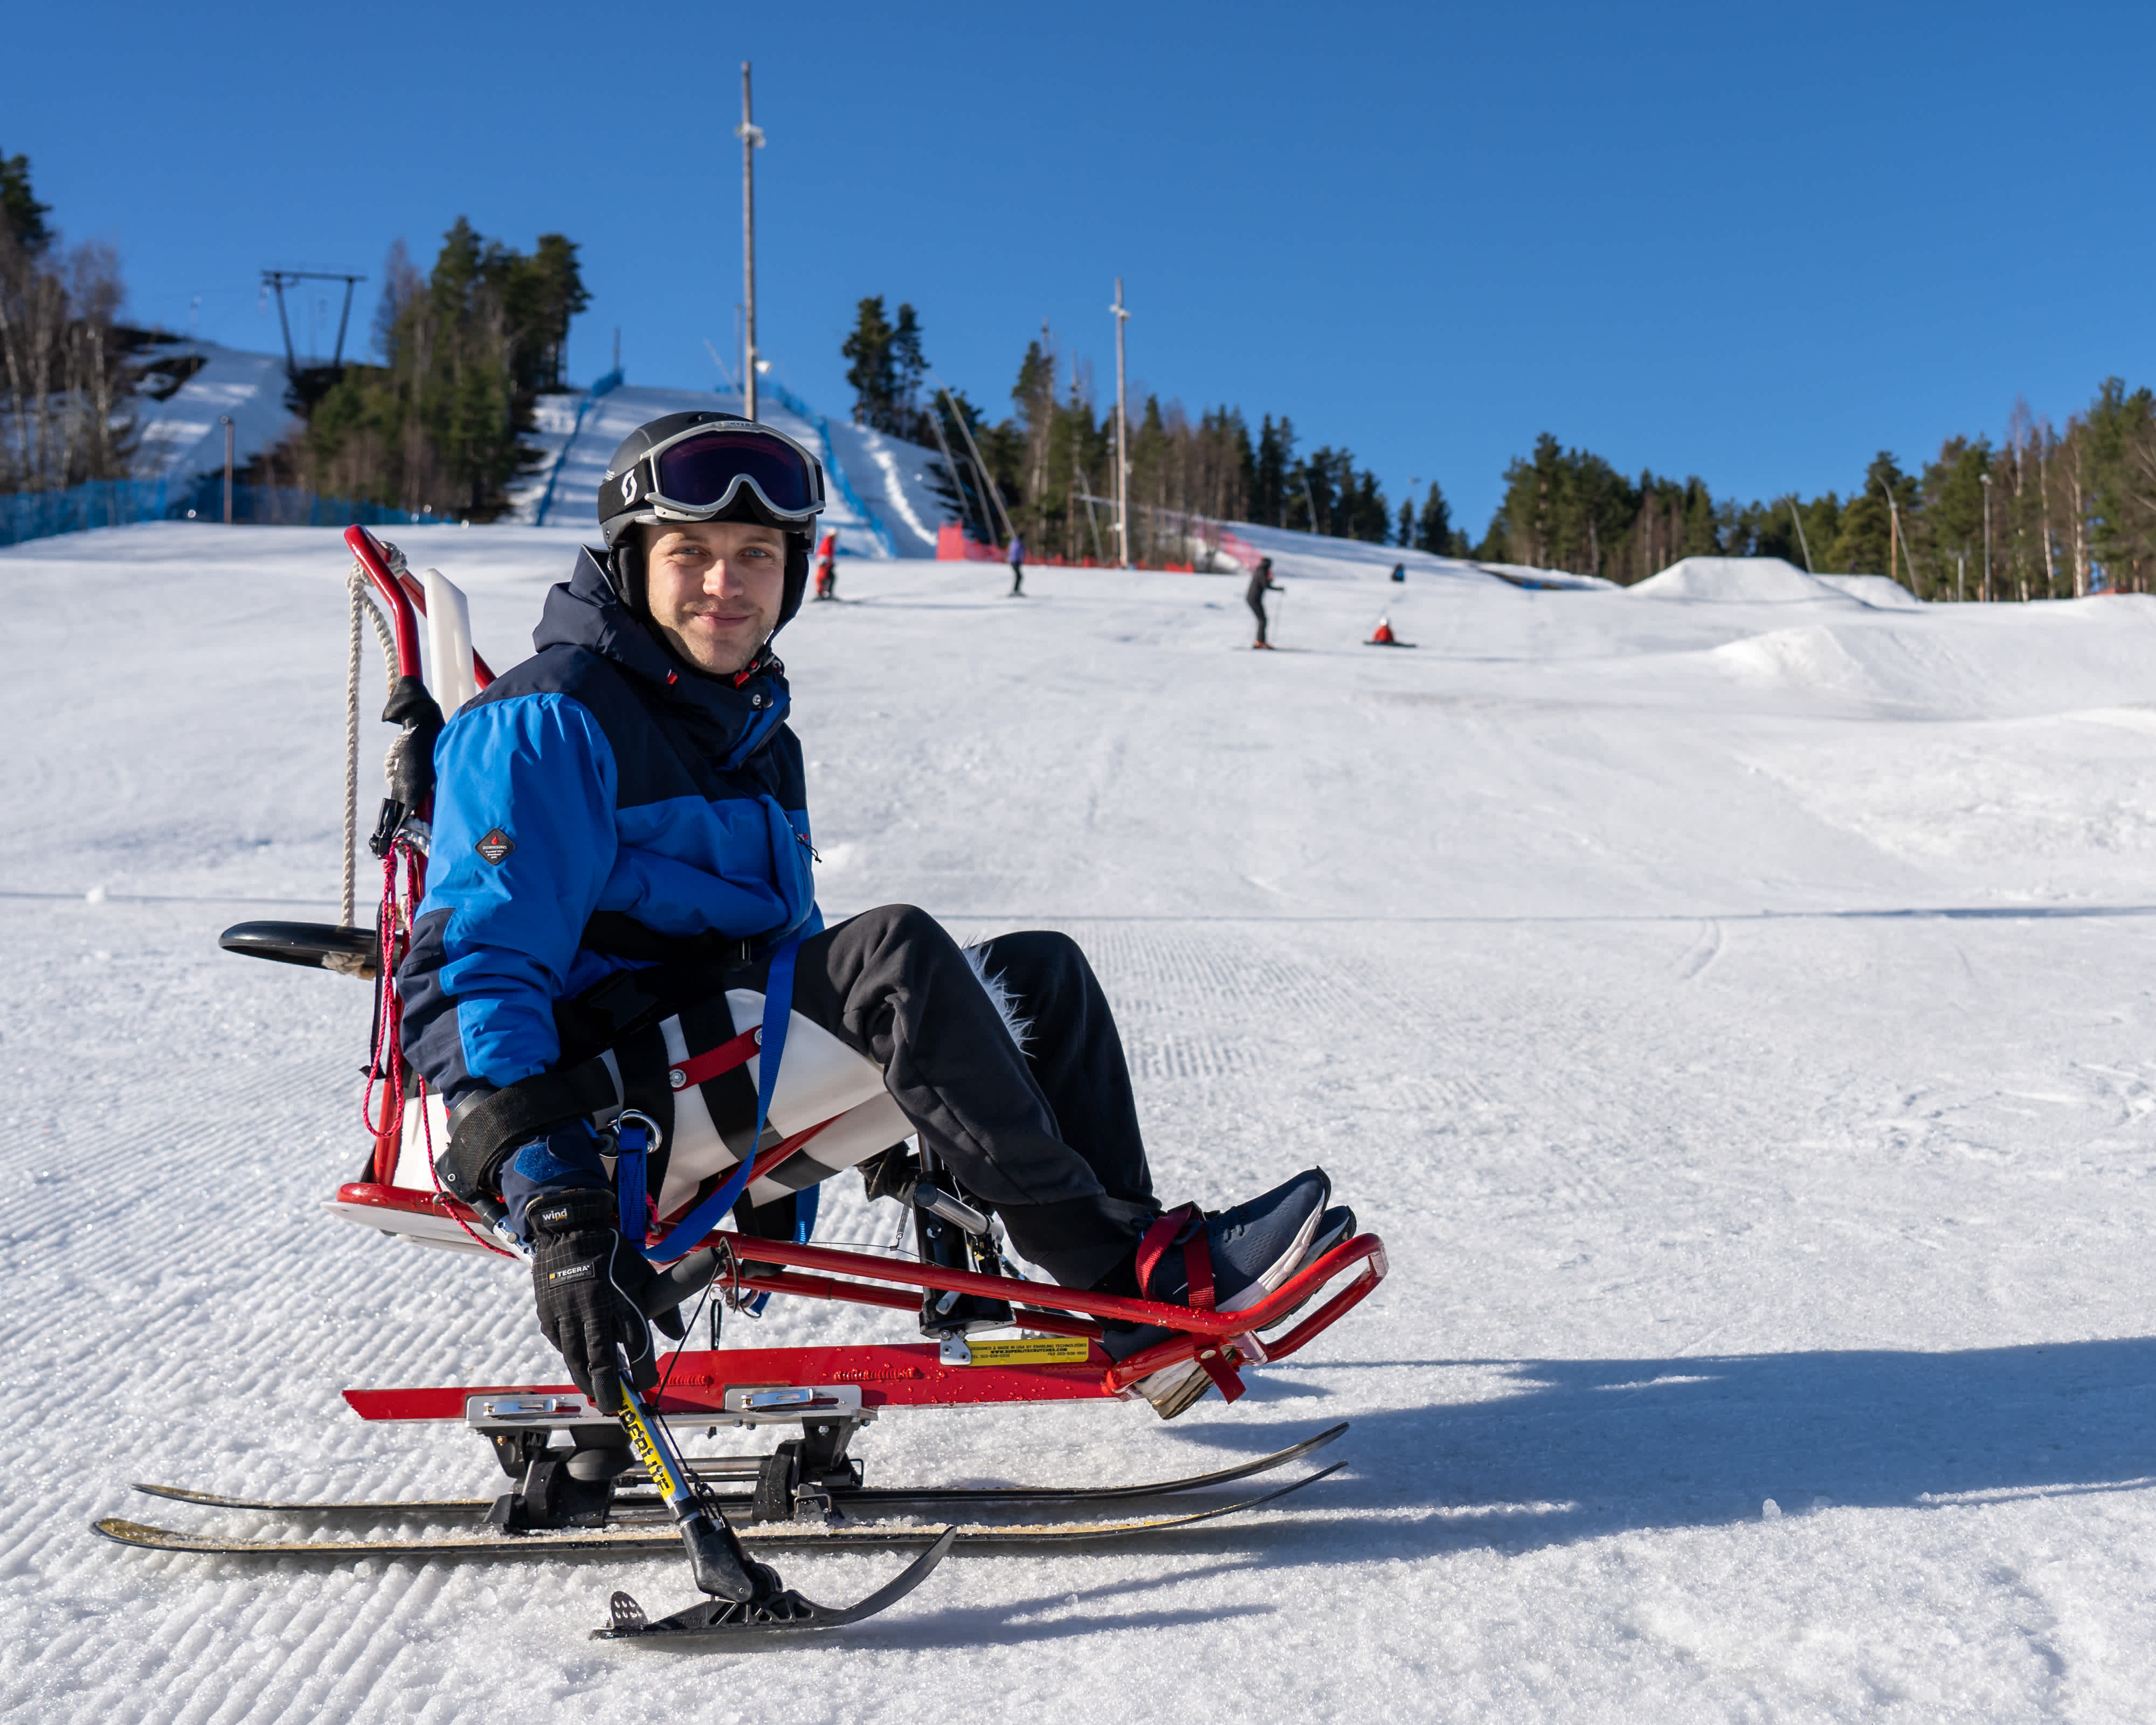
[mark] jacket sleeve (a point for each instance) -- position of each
(524, 841)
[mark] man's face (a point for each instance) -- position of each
(715, 588)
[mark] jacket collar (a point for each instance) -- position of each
(584, 612)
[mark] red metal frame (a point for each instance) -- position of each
(696, 1382)
(771, 1267)
(407, 603)
(407, 600)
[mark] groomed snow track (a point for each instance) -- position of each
(1736, 1018)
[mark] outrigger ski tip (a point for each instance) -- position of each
(783, 1611)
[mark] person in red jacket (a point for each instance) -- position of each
(827, 567)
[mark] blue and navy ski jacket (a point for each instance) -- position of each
(601, 774)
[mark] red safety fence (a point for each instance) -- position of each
(954, 545)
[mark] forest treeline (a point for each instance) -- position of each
(2071, 507)
(2049, 512)
(437, 421)
(438, 424)
(67, 414)
(1048, 467)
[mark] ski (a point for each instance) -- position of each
(710, 1620)
(664, 1538)
(971, 1497)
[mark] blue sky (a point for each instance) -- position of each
(1753, 242)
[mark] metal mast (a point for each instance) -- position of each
(1123, 438)
(751, 136)
(1986, 478)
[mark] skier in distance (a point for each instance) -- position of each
(1017, 566)
(827, 566)
(626, 809)
(1254, 596)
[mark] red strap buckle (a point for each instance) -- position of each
(1184, 1226)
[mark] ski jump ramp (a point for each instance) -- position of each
(879, 500)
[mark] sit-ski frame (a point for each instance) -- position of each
(848, 1384)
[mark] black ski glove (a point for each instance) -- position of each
(590, 1285)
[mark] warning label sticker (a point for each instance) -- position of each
(1032, 1351)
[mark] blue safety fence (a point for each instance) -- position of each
(289, 506)
(101, 503)
(119, 503)
(794, 404)
(612, 381)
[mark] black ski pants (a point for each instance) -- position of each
(1256, 602)
(1046, 1136)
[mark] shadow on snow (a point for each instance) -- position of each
(1565, 1449)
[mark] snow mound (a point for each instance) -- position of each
(1814, 658)
(1885, 669)
(1768, 580)
(1875, 591)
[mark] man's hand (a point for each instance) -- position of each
(589, 1284)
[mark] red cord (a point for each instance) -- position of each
(426, 1127)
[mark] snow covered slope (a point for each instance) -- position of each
(1738, 1021)
(183, 435)
(879, 501)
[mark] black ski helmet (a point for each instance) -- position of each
(619, 515)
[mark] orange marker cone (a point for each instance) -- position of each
(1382, 635)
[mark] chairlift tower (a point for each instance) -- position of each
(277, 280)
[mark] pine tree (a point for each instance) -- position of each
(1433, 531)
(22, 216)
(466, 352)
(908, 367)
(1371, 517)
(1865, 544)
(886, 370)
(1268, 496)
(873, 371)
(2121, 462)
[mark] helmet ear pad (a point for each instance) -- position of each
(627, 573)
(797, 579)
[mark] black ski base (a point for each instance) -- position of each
(779, 1611)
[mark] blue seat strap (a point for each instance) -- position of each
(771, 1046)
(632, 1146)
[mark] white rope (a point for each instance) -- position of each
(361, 601)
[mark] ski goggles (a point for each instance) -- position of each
(698, 473)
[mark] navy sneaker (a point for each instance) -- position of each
(1255, 1247)
(1335, 1225)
